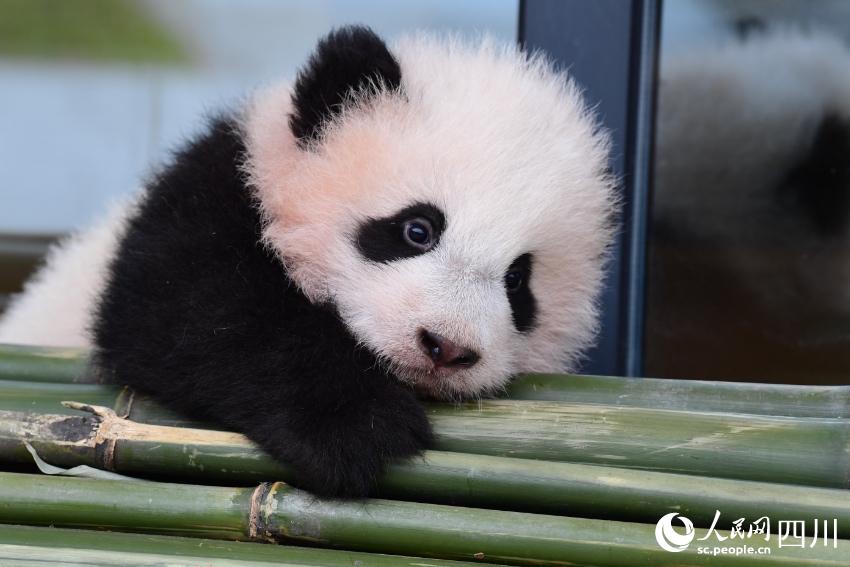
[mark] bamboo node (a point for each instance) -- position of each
(258, 528)
(105, 454)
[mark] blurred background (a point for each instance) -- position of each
(96, 91)
(748, 266)
(731, 121)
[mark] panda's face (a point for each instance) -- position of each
(459, 224)
(447, 306)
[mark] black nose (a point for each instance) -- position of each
(446, 353)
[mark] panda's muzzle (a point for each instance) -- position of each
(445, 353)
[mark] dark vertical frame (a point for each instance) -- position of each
(610, 48)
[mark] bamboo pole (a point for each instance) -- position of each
(70, 365)
(806, 451)
(686, 395)
(279, 513)
(54, 547)
(47, 397)
(43, 364)
(206, 456)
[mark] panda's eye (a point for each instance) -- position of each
(412, 231)
(514, 280)
(418, 233)
(518, 289)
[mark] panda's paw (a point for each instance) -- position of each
(348, 458)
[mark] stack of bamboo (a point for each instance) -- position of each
(567, 470)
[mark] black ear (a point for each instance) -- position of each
(820, 183)
(348, 59)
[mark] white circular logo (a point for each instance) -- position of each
(668, 538)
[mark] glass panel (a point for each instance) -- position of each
(749, 260)
(95, 92)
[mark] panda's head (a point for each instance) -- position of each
(450, 199)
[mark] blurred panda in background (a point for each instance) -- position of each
(749, 260)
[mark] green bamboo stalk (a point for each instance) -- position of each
(47, 397)
(686, 395)
(69, 365)
(806, 451)
(49, 547)
(279, 513)
(207, 456)
(43, 364)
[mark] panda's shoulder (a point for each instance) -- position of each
(192, 253)
(201, 183)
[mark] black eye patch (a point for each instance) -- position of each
(410, 232)
(523, 304)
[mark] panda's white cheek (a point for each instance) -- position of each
(380, 306)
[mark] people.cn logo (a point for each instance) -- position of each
(668, 538)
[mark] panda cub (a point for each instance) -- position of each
(430, 219)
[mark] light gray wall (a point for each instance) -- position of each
(75, 135)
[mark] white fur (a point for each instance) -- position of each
(56, 305)
(507, 149)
